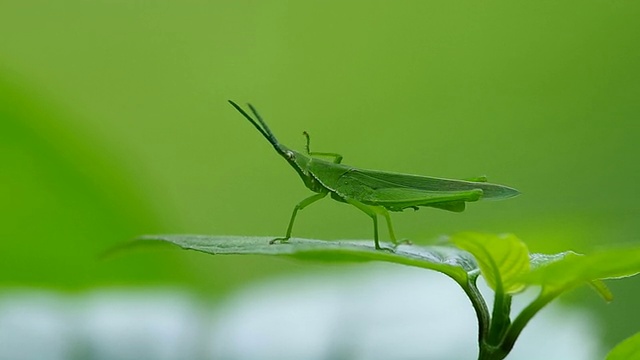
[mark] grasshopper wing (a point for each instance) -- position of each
(377, 180)
(396, 191)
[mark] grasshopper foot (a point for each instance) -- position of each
(383, 248)
(279, 240)
(401, 242)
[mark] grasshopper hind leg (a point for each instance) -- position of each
(384, 212)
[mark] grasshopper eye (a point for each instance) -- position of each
(290, 155)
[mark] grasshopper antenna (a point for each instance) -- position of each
(260, 125)
(264, 124)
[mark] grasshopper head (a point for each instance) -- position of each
(296, 159)
(299, 161)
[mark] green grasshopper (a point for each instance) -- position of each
(373, 192)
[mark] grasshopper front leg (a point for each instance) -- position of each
(337, 158)
(301, 205)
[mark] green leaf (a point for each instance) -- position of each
(503, 259)
(628, 349)
(540, 260)
(446, 259)
(574, 269)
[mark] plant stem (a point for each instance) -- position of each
(500, 320)
(482, 311)
(523, 318)
(491, 347)
(488, 352)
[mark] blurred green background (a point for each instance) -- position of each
(114, 123)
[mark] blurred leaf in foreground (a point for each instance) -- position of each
(629, 349)
(64, 200)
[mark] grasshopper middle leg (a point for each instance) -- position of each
(373, 212)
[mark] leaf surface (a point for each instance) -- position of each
(448, 260)
(569, 269)
(503, 259)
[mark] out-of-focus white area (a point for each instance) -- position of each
(365, 312)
